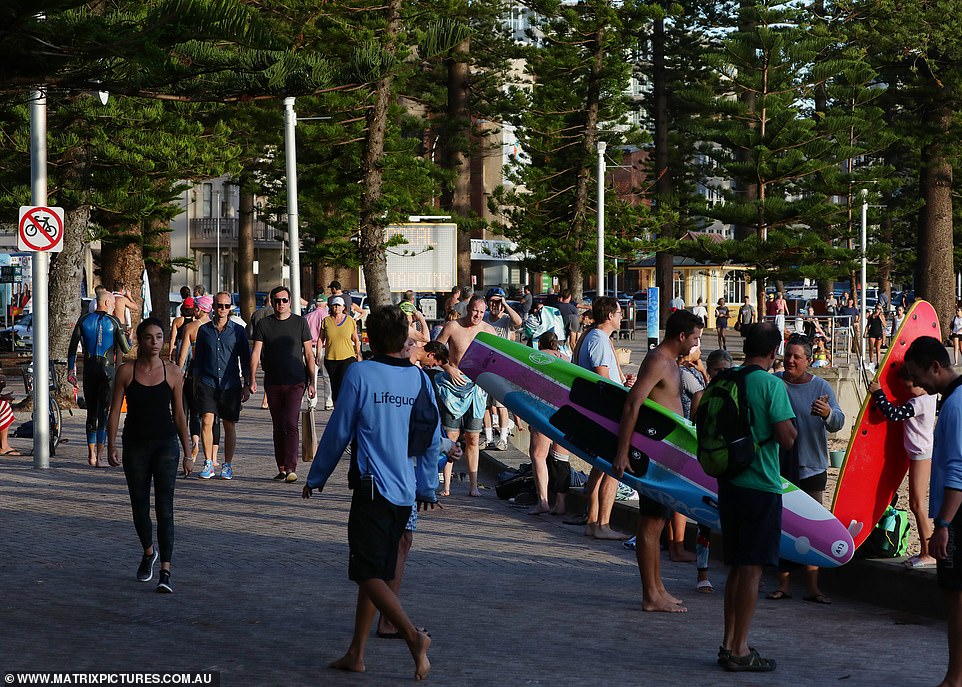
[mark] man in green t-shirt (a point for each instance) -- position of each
(750, 505)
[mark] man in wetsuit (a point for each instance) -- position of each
(104, 344)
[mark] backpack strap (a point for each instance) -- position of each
(740, 376)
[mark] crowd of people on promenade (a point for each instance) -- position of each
(408, 413)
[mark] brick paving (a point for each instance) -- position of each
(261, 592)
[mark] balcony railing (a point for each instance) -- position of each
(203, 232)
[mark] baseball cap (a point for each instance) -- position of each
(188, 302)
(205, 303)
(320, 298)
(496, 291)
(337, 300)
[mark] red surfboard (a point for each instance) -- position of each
(876, 463)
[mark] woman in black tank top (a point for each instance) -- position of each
(155, 420)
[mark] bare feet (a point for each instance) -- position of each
(557, 512)
(444, 493)
(590, 529)
(605, 532)
(665, 603)
(677, 553)
(474, 492)
(349, 662)
(92, 461)
(539, 509)
(419, 651)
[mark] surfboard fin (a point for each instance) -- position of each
(855, 527)
(608, 400)
(592, 438)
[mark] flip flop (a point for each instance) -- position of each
(704, 586)
(778, 595)
(13, 452)
(913, 562)
(397, 635)
(818, 599)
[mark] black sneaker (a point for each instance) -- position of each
(145, 571)
(280, 476)
(164, 586)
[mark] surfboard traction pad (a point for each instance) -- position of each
(875, 455)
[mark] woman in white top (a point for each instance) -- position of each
(701, 311)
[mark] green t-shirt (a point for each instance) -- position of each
(768, 404)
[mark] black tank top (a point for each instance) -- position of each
(149, 413)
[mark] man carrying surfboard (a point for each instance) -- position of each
(750, 504)
(460, 401)
(659, 379)
(929, 366)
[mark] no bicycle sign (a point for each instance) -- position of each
(40, 229)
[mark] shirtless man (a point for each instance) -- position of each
(460, 401)
(124, 305)
(660, 380)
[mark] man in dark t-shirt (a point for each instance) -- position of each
(570, 315)
(283, 341)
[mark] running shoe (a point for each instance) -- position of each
(227, 472)
(291, 477)
(145, 571)
(208, 470)
(163, 585)
(501, 445)
(280, 476)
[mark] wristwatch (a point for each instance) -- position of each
(939, 522)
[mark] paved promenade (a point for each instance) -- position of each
(262, 595)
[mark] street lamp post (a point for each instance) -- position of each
(601, 218)
(290, 121)
(217, 231)
(40, 266)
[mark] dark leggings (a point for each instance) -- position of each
(97, 383)
(146, 460)
(335, 370)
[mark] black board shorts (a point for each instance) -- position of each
(751, 522)
(224, 403)
(374, 530)
(649, 508)
(949, 571)
(559, 476)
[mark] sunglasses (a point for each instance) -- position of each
(223, 306)
(281, 300)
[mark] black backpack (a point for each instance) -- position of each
(424, 420)
(726, 446)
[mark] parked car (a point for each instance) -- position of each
(19, 336)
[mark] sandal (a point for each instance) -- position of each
(704, 586)
(818, 599)
(778, 595)
(752, 663)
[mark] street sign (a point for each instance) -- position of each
(40, 229)
(11, 275)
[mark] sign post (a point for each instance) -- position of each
(39, 230)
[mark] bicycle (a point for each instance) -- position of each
(56, 415)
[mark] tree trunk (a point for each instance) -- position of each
(157, 262)
(934, 279)
(664, 187)
(245, 254)
(66, 270)
(454, 157)
(122, 263)
(745, 189)
(371, 244)
(579, 209)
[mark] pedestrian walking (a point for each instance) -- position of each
(104, 344)
(155, 421)
(376, 409)
(283, 340)
(221, 368)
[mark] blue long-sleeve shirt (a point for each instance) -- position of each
(220, 357)
(947, 450)
(374, 405)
